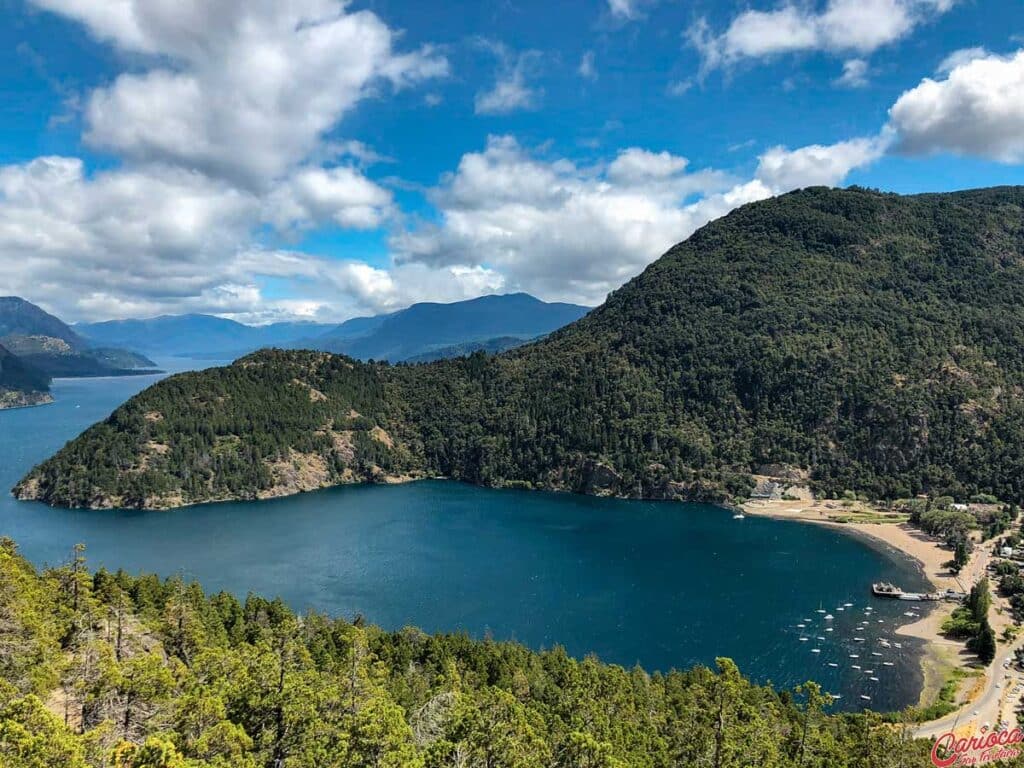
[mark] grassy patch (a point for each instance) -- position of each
(945, 701)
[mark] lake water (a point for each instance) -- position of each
(660, 584)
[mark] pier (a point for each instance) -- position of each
(889, 591)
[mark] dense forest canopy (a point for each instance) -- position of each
(107, 670)
(872, 339)
(16, 374)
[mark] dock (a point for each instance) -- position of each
(889, 591)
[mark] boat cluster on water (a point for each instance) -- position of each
(874, 661)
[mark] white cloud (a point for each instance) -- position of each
(240, 89)
(124, 244)
(977, 110)
(679, 87)
(340, 195)
(781, 169)
(587, 69)
(128, 235)
(959, 57)
(840, 26)
(626, 9)
(855, 72)
(512, 91)
(564, 231)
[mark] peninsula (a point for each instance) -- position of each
(871, 340)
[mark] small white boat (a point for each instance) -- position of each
(820, 610)
(828, 629)
(908, 613)
(875, 653)
(804, 639)
(869, 671)
(854, 656)
(840, 608)
(834, 695)
(875, 679)
(858, 639)
(848, 605)
(888, 664)
(815, 650)
(855, 666)
(739, 516)
(829, 617)
(866, 698)
(881, 621)
(832, 664)
(800, 626)
(821, 637)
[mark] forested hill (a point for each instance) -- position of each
(872, 339)
(20, 383)
(106, 670)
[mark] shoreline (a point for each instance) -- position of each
(48, 399)
(939, 655)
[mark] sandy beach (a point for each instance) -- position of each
(940, 655)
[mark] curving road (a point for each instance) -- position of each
(997, 701)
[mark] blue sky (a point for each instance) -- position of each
(266, 160)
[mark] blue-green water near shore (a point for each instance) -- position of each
(660, 584)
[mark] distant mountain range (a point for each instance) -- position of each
(432, 331)
(426, 331)
(196, 335)
(47, 347)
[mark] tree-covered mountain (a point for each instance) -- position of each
(108, 670)
(46, 343)
(20, 383)
(872, 339)
(424, 330)
(491, 346)
(22, 318)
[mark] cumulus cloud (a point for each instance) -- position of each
(340, 195)
(816, 165)
(571, 232)
(840, 26)
(121, 236)
(961, 56)
(243, 88)
(122, 244)
(978, 109)
(222, 129)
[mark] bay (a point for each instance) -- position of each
(664, 585)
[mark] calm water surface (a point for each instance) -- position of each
(660, 584)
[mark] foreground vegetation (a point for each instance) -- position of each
(108, 670)
(872, 339)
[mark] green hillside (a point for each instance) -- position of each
(872, 339)
(20, 383)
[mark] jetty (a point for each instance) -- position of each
(886, 590)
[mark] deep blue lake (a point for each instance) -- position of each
(660, 584)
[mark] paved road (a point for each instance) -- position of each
(997, 700)
(988, 705)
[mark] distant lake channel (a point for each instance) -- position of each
(665, 585)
